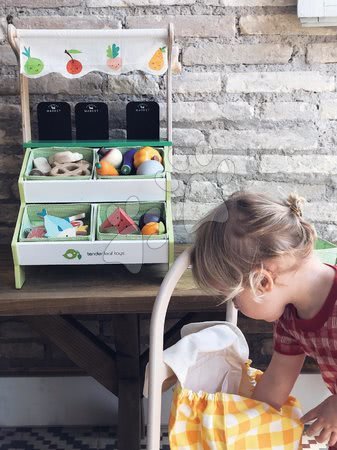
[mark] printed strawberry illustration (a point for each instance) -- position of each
(33, 66)
(114, 61)
(73, 66)
(157, 60)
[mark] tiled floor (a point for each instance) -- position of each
(81, 438)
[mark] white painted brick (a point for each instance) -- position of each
(282, 139)
(188, 25)
(209, 111)
(178, 188)
(237, 110)
(42, 4)
(196, 111)
(3, 30)
(320, 212)
(306, 164)
(7, 56)
(197, 83)
(11, 113)
(251, 2)
(322, 53)
(328, 110)
(279, 82)
(202, 191)
(282, 24)
(182, 233)
(191, 211)
(59, 22)
(133, 84)
(186, 137)
(130, 3)
(218, 164)
(215, 53)
(280, 189)
(288, 111)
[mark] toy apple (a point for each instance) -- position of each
(73, 66)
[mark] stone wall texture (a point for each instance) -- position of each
(254, 107)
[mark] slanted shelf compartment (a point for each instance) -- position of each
(86, 167)
(57, 217)
(134, 210)
(93, 188)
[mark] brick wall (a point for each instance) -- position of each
(255, 106)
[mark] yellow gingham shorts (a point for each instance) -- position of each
(220, 421)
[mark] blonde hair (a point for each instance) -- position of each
(233, 240)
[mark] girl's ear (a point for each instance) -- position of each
(266, 282)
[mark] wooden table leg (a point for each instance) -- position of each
(126, 327)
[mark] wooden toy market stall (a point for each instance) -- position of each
(55, 201)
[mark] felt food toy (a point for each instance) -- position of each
(113, 156)
(128, 165)
(65, 157)
(104, 168)
(148, 217)
(75, 169)
(121, 221)
(152, 228)
(150, 167)
(146, 154)
(157, 60)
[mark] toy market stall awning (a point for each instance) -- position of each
(74, 53)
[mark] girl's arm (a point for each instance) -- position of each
(278, 380)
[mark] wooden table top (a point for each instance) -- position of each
(99, 289)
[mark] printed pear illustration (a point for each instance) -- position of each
(114, 61)
(73, 66)
(33, 66)
(157, 60)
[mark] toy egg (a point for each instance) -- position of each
(114, 157)
(153, 228)
(104, 168)
(150, 167)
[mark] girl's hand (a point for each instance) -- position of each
(326, 423)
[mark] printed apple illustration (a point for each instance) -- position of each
(114, 61)
(73, 66)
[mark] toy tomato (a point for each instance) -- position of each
(145, 154)
(153, 228)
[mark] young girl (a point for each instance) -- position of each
(258, 252)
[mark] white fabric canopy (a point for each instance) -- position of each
(74, 53)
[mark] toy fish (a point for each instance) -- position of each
(72, 254)
(54, 225)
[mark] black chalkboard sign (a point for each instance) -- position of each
(54, 121)
(92, 121)
(142, 121)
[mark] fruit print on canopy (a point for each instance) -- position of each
(73, 66)
(157, 61)
(33, 66)
(114, 61)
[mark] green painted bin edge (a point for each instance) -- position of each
(169, 219)
(326, 251)
(108, 143)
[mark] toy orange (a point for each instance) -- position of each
(145, 154)
(104, 168)
(157, 60)
(153, 228)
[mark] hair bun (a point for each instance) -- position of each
(295, 203)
